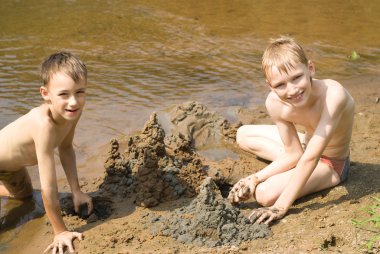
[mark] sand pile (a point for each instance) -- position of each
(149, 171)
(209, 221)
(154, 167)
(201, 126)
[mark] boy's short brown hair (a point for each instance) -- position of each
(66, 62)
(284, 53)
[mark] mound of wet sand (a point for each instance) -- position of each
(149, 171)
(209, 221)
(155, 168)
(200, 125)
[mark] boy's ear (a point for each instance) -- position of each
(44, 93)
(311, 67)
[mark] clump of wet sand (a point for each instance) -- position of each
(149, 171)
(209, 221)
(201, 126)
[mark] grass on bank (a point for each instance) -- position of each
(371, 224)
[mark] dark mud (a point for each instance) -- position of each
(209, 221)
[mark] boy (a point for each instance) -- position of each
(301, 163)
(32, 139)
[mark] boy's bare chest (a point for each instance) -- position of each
(308, 118)
(60, 135)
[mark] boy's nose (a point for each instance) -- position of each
(72, 101)
(292, 90)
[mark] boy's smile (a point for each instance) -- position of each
(66, 97)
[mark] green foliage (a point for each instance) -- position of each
(372, 224)
(354, 55)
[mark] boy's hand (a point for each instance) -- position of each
(80, 198)
(63, 239)
(243, 189)
(267, 213)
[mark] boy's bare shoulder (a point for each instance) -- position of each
(335, 90)
(38, 119)
(274, 105)
(337, 97)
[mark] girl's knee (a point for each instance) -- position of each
(264, 196)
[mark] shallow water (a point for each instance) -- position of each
(146, 56)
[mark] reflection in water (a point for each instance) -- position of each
(146, 56)
(14, 213)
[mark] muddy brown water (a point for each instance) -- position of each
(147, 56)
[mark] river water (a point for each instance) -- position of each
(145, 56)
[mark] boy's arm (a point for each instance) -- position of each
(46, 165)
(68, 160)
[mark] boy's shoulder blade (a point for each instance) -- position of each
(41, 117)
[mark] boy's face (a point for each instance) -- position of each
(293, 87)
(66, 97)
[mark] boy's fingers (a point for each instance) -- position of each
(76, 208)
(60, 248)
(270, 219)
(262, 218)
(246, 191)
(78, 235)
(230, 197)
(48, 248)
(253, 216)
(54, 250)
(71, 248)
(90, 206)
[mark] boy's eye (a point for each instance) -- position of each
(281, 85)
(62, 94)
(297, 77)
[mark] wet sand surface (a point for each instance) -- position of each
(158, 194)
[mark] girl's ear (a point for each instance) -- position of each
(44, 93)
